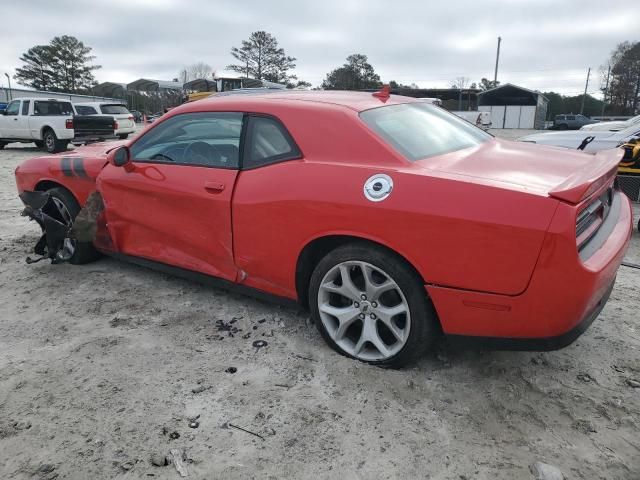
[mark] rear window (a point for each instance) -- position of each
(422, 130)
(52, 108)
(84, 110)
(114, 109)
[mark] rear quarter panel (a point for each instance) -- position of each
(455, 233)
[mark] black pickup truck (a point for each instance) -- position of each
(93, 128)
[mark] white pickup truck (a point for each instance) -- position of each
(51, 124)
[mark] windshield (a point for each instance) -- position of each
(114, 109)
(631, 131)
(52, 108)
(422, 130)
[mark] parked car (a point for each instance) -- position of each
(590, 141)
(50, 124)
(612, 126)
(125, 120)
(137, 116)
(391, 219)
(571, 121)
(3, 107)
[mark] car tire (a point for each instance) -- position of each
(51, 142)
(563, 126)
(2, 145)
(39, 143)
(84, 252)
(124, 136)
(370, 331)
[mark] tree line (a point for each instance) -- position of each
(65, 64)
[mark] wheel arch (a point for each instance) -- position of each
(44, 128)
(44, 185)
(318, 247)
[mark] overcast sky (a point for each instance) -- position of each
(546, 44)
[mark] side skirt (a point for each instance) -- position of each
(206, 280)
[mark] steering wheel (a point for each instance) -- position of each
(201, 153)
(162, 156)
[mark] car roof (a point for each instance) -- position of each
(42, 99)
(358, 101)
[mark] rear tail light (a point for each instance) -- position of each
(131, 118)
(592, 216)
(115, 125)
(68, 123)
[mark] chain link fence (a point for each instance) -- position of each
(630, 185)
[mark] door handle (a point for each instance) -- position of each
(15, 119)
(213, 187)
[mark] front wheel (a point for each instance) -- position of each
(368, 304)
(65, 209)
(123, 136)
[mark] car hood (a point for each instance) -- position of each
(557, 138)
(99, 149)
(527, 167)
(605, 126)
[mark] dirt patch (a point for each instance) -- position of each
(112, 366)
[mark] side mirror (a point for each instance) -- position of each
(120, 157)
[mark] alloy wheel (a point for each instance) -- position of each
(364, 311)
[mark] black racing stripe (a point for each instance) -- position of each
(78, 167)
(65, 165)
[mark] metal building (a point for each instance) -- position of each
(514, 107)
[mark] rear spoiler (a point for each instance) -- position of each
(585, 182)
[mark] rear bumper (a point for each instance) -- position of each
(565, 294)
(123, 130)
(533, 344)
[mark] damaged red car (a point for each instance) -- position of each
(392, 220)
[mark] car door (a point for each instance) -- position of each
(22, 124)
(10, 127)
(174, 205)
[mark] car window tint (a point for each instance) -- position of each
(85, 110)
(421, 130)
(114, 109)
(13, 108)
(25, 107)
(209, 139)
(268, 142)
(571, 117)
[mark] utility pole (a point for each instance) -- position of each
(586, 85)
(495, 73)
(606, 90)
(9, 80)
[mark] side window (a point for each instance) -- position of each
(268, 142)
(571, 117)
(13, 108)
(25, 107)
(560, 117)
(207, 139)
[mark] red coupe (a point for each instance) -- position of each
(392, 220)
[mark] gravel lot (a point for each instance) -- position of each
(104, 366)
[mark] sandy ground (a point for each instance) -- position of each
(105, 365)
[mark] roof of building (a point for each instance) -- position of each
(150, 85)
(110, 89)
